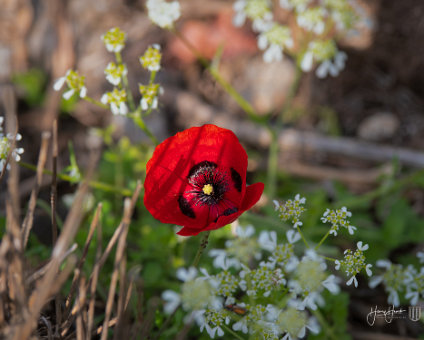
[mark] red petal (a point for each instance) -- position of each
(167, 170)
(253, 194)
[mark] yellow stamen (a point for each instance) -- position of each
(207, 189)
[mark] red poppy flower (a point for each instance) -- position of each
(197, 179)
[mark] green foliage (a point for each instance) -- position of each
(32, 83)
(335, 313)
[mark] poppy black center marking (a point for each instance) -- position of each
(185, 207)
(209, 184)
(236, 179)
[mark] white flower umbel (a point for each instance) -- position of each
(6, 142)
(312, 19)
(310, 279)
(294, 323)
(213, 322)
(338, 218)
(414, 285)
(114, 40)
(354, 262)
(117, 101)
(274, 41)
(268, 240)
(292, 210)
(149, 93)
(259, 11)
(323, 51)
(298, 5)
(75, 83)
(114, 73)
(163, 13)
(394, 278)
(253, 315)
(244, 248)
(150, 60)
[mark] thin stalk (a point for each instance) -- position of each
(243, 103)
(126, 83)
(272, 169)
(303, 237)
(140, 123)
(96, 102)
(93, 184)
(234, 334)
(274, 147)
(203, 244)
(323, 239)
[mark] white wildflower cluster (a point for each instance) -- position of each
(116, 74)
(6, 151)
(114, 40)
(267, 292)
(291, 210)
(398, 279)
(354, 262)
(74, 82)
(319, 21)
(338, 218)
(117, 100)
(163, 13)
(150, 61)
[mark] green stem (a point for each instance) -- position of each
(96, 102)
(328, 330)
(126, 83)
(140, 123)
(243, 103)
(272, 164)
(274, 147)
(303, 237)
(202, 247)
(94, 184)
(323, 239)
(234, 334)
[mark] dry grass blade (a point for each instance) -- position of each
(93, 226)
(27, 224)
(128, 209)
(47, 286)
(79, 306)
(93, 283)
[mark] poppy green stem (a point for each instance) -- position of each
(203, 244)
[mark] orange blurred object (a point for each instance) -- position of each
(208, 37)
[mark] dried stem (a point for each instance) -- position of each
(27, 224)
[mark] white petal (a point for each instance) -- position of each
(103, 99)
(68, 94)
(307, 61)
(83, 92)
(59, 83)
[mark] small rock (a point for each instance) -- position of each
(379, 127)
